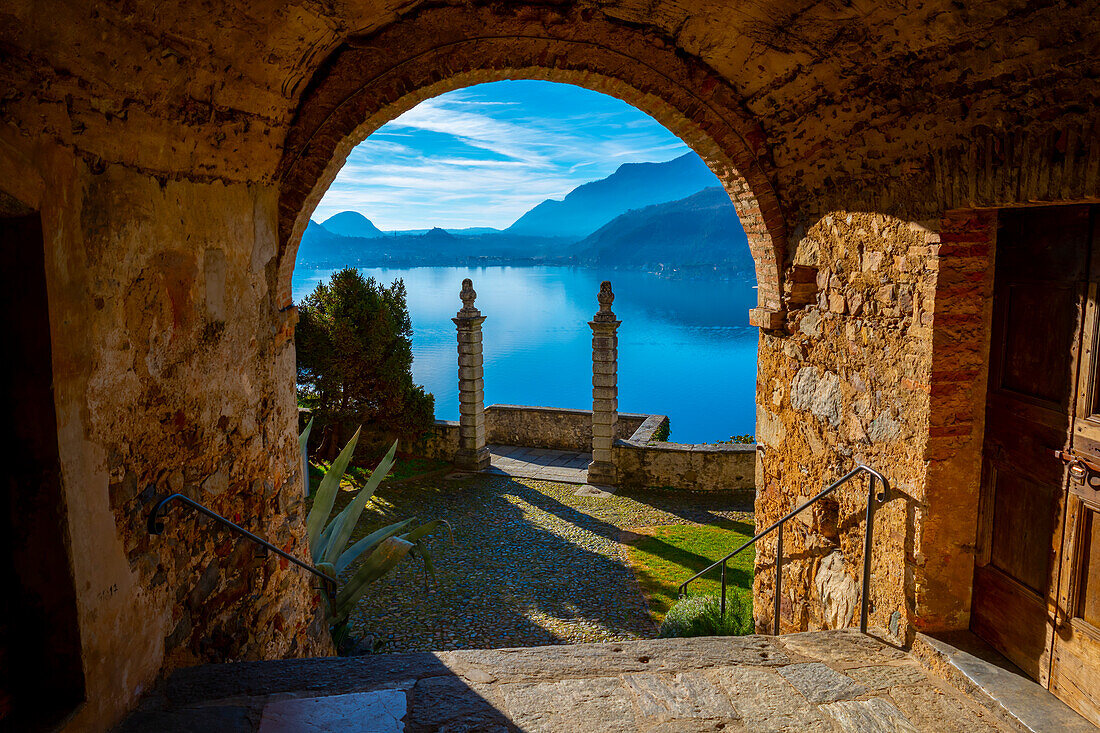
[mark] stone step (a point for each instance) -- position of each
(974, 666)
(818, 681)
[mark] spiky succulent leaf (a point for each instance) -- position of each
(367, 543)
(429, 528)
(345, 523)
(326, 492)
(388, 553)
(317, 549)
(304, 437)
(422, 549)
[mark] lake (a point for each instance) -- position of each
(685, 347)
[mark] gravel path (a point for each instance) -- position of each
(532, 564)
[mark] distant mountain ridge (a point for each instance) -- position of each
(696, 232)
(633, 185)
(639, 227)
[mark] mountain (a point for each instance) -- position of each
(322, 248)
(352, 224)
(588, 207)
(695, 230)
(700, 231)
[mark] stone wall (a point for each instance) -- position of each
(175, 156)
(885, 366)
(641, 461)
(845, 387)
(442, 442)
(549, 427)
(556, 428)
(173, 372)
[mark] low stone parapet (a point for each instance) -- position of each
(642, 459)
(441, 444)
(695, 467)
(550, 427)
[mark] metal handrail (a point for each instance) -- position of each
(872, 497)
(156, 527)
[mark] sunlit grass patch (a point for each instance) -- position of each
(663, 557)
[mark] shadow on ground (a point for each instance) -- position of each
(532, 564)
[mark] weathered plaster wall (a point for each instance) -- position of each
(173, 372)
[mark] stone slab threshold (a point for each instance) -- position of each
(973, 665)
(805, 683)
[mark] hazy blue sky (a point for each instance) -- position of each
(483, 155)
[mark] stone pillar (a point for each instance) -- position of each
(472, 454)
(605, 389)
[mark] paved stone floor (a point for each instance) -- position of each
(835, 681)
(532, 563)
(539, 463)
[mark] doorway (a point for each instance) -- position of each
(1037, 574)
(41, 676)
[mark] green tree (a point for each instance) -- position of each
(354, 344)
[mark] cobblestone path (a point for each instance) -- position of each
(532, 564)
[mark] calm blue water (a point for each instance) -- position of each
(685, 347)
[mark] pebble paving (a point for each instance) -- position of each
(531, 564)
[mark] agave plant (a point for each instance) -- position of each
(381, 550)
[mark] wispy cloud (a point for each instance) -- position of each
(484, 155)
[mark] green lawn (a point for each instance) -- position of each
(663, 557)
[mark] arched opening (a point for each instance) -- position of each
(525, 187)
(365, 83)
(549, 612)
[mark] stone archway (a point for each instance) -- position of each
(373, 78)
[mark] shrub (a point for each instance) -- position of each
(701, 615)
(379, 552)
(354, 346)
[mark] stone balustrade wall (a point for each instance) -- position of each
(641, 461)
(550, 427)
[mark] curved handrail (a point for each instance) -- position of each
(156, 526)
(872, 497)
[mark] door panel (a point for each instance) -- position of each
(1039, 291)
(1029, 340)
(1023, 524)
(1075, 668)
(1088, 571)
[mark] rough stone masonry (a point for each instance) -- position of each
(173, 159)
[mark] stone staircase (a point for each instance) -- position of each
(816, 681)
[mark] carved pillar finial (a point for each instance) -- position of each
(468, 296)
(605, 298)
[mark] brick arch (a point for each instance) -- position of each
(371, 79)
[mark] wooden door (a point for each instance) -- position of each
(1039, 293)
(1075, 667)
